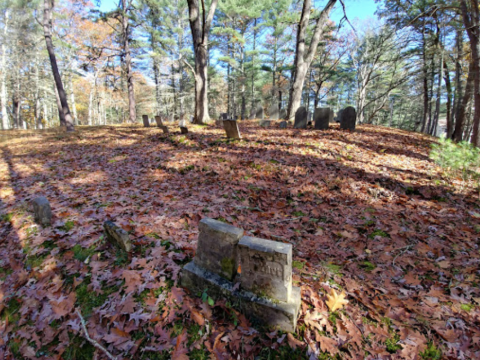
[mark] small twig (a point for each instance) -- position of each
(406, 248)
(90, 340)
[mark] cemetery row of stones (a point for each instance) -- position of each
(254, 274)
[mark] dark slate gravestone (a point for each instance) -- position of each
(339, 116)
(117, 236)
(231, 128)
(42, 211)
(184, 129)
(300, 118)
(283, 114)
(164, 129)
(158, 120)
(146, 123)
(331, 115)
(348, 119)
(259, 113)
(283, 124)
(273, 112)
(322, 118)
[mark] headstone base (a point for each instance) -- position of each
(275, 314)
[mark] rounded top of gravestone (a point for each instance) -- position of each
(349, 110)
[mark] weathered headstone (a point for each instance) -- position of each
(117, 236)
(266, 267)
(273, 112)
(283, 113)
(331, 116)
(165, 129)
(259, 113)
(283, 124)
(264, 123)
(216, 249)
(158, 120)
(348, 119)
(300, 118)
(145, 121)
(42, 211)
(309, 118)
(339, 116)
(231, 128)
(184, 130)
(322, 118)
(265, 293)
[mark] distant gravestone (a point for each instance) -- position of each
(273, 112)
(300, 118)
(266, 267)
(348, 119)
(171, 118)
(158, 120)
(283, 124)
(322, 118)
(283, 113)
(183, 129)
(339, 116)
(145, 121)
(42, 211)
(164, 129)
(259, 113)
(224, 116)
(264, 123)
(231, 128)
(117, 236)
(216, 249)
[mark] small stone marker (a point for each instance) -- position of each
(266, 267)
(184, 129)
(264, 123)
(231, 128)
(158, 120)
(348, 119)
(117, 236)
(42, 211)
(273, 112)
(322, 118)
(266, 293)
(283, 124)
(216, 249)
(145, 121)
(300, 118)
(283, 113)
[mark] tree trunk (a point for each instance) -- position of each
(128, 63)
(200, 29)
(64, 111)
(3, 94)
(425, 80)
(458, 80)
(304, 59)
(462, 107)
(448, 85)
(471, 19)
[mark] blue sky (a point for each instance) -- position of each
(360, 9)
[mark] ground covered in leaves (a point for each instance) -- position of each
(367, 213)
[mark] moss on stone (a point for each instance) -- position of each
(228, 265)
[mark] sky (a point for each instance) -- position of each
(361, 9)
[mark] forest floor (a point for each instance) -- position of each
(367, 213)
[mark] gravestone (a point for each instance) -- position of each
(224, 116)
(264, 123)
(262, 289)
(309, 118)
(283, 113)
(339, 116)
(348, 119)
(183, 130)
(117, 236)
(300, 118)
(322, 118)
(259, 113)
(216, 249)
(158, 120)
(266, 267)
(283, 124)
(331, 115)
(145, 121)
(231, 128)
(273, 112)
(42, 211)
(171, 118)
(165, 129)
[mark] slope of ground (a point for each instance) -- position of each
(367, 213)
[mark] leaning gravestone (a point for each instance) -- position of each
(145, 121)
(348, 119)
(231, 128)
(42, 211)
(265, 293)
(259, 113)
(300, 118)
(117, 236)
(322, 118)
(273, 112)
(165, 129)
(158, 120)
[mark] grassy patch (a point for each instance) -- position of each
(69, 225)
(284, 352)
(298, 213)
(6, 217)
(298, 265)
(334, 269)
(34, 261)
(78, 349)
(368, 266)
(378, 232)
(392, 344)
(88, 299)
(431, 352)
(82, 254)
(467, 307)
(10, 312)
